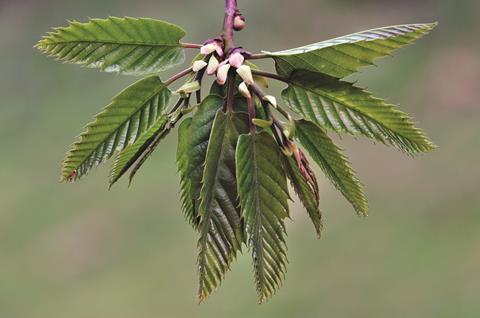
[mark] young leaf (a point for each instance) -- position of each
(263, 192)
(343, 56)
(131, 113)
(124, 45)
(127, 157)
(333, 163)
(221, 229)
(199, 135)
(182, 165)
(305, 192)
(148, 150)
(343, 107)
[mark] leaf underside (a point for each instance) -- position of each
(305, 193)
(122, 122)
(263, 192)
(125, 159)
(343, 107)
(343, 56)
(332, 162)
(182, 166)
(221, 229)
(124, 45)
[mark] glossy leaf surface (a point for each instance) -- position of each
(129, 115)
(124, 45)
(343, 107)
(343, 56)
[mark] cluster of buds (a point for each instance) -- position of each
(214, 49)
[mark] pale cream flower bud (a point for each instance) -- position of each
(271, 100)
(243, 89)
(236, 60)
(208, 48)
(212, 65)
(198, 66)
(187, 88)
(222, 73)
(245, 73)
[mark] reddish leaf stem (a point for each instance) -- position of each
(178, 76)
(190, 45)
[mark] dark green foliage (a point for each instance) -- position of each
(234, 155)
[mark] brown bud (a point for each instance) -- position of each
(239, 23)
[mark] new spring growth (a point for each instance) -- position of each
(198, 66)
(212, 46)
(236, 60)
(271, 100)
(245, 73)
(222, 73)
(212, 65)
(243, 89)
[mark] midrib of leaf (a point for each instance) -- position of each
(350, 109)
(109, 42)
(342, 56)
(220, 159)
(263, 195)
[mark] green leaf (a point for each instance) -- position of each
(129, 115)
(200, 129)
(343, 56)
(332, 162)
(263, 191)
(306, 191)
(149, 150)
(124, 45)
(182, 165)
(125, 159)
(343, 107)
(221, 229)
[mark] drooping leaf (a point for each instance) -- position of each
(149, 149)
(263, 192)
(306, 191)
(332, 162)
(124, 45)
(182, 166)
(343, 107)
(343, 56)
(200, 129)
(122, 122)
(127, 157)
(221, 229)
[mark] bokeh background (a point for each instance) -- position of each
(81, 251)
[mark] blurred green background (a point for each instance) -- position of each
(81, 251)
